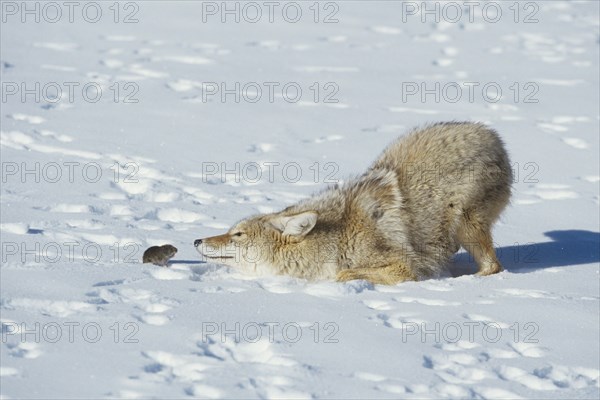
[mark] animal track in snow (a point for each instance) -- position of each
(460, 345)
(169, 366)
(448, 390)
(277, 285)
(527, 293)
(392, 388)
(15, 228)
(52, 308)
(437, 286)
(495, 393)
(377, 305)
(335, 39)
(386, 129)
(154, 319)
(486, 320)
(61, 68)
(567, 119)
(70, 209)
(523, 377)
(456, 368)
(367, 376)
(112, 196)
(330, 138)
(168, 274)
(528, 349)
(150, 304)
(552, 192)
(321, 69)
(591, 178)
(119, 38)
(560, 82)
(261, 148)
(333, 290)
(120, 210)
(549, 127)
(184, 85)
(303, 103)
(198, 194)
(32, 119)
(450, 51)
(570, 377)
(112, 63)
(141, 73)
(436, 37)
(8, 371)
(29, 350)
(400, 320)
(413, 110)
(20, 141)
(191, 60)
(216, 225)
(576, 143)
(266, 44)
(202, 391)
(427, 302)
(386, 30)
(499, 353)
(178, 215)
(271, 370)
(161, 197)
(57, 46)
(53, 135)
(443, 62)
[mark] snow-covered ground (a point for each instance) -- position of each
(163, 155)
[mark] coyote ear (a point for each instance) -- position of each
(295, 225)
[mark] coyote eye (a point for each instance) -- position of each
(238, 234)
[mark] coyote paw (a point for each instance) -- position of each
(490, 270)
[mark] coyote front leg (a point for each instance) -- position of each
(385, 275)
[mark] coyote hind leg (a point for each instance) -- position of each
(476, 238)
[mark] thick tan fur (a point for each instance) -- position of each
(429, 193)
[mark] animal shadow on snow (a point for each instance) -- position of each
(187, 262)
(569, 247)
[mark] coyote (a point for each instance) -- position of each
(429, 193)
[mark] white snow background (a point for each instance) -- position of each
(83, 318)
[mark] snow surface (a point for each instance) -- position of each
(133, 330)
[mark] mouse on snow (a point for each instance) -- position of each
(159, 255)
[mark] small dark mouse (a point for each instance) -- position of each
(159, 255)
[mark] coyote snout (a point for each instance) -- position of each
(429, 193)
(215, 247)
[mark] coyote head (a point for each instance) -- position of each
(258, 242)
